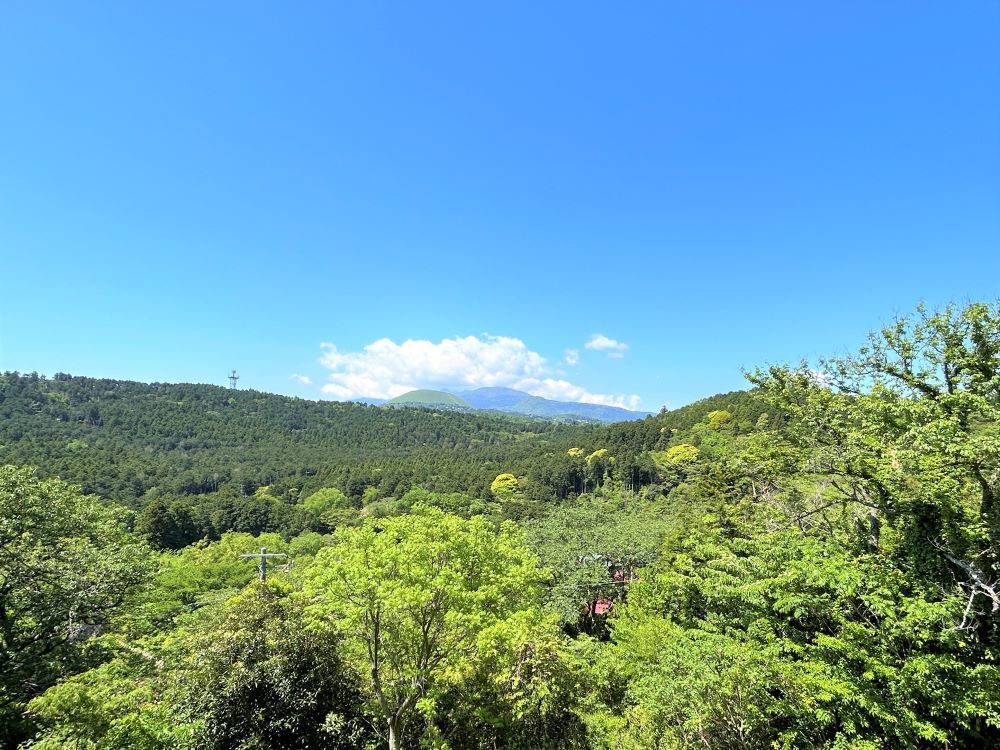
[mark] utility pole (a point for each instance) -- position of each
(262, 560)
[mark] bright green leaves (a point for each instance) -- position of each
(505, 487)
(328, 508)
(414, 596)
(594, 548)
(242, 675)
(907, 433)
(718, 419)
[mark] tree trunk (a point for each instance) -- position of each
(394, 733)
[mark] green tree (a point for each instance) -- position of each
(907, 432)
(738, 639)
(167, 525)
(598, 465)
(594, 548)
(718, 419)
(129, 701)
(505, 487)
(242, 675)
(256, 677)
(413, 595)
(201, 574)
(681, 454)
(328, 508)
(67, 562)
(522, 690)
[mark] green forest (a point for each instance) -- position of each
(812, 562)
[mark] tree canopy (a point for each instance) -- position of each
(415, 595)
(809, 564)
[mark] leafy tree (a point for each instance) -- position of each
(718, 419)
(129, 701)
(328, 507)
(790, 640)
(681, 454)
(594, 548)
(256, 677)
(598, 464)
(451, 502)
(240, 675)
(907, 431)
(202, 574)
(522, 690)
(66, 564)
(413, 595)
(167, 525)
(676, 463)
(505, 487)
(177, 667)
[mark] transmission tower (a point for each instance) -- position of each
(233, 377)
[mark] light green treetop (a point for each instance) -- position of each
(413, 595)
(504, 487)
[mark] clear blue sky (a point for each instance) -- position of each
(191, 187)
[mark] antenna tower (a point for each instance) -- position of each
(233, 377)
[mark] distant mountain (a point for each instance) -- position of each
(431, 399)
(510, 401)
(519, 402)
(498, 399)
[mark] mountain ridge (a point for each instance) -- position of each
(509, 401)
(513, 401)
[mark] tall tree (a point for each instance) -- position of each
(413, 595)
(908, 433)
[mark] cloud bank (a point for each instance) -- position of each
(385, 369)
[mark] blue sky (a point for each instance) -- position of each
(191, 187)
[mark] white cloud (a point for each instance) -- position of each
(385, 369)
(303, 379)
(571, 356)
(601, 343)
(562, 390)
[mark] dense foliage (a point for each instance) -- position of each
(197, 461)
(134, 441)
(812, 564)
(66, 565)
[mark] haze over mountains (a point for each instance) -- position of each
(512, 401)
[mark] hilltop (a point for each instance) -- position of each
(431, 399)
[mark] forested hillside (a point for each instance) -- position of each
(122, 439)
(812, 563)
(217, 459)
